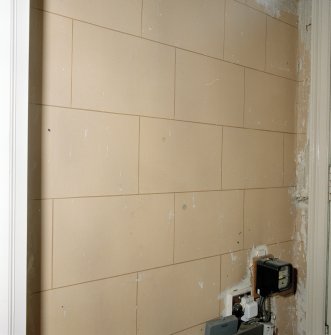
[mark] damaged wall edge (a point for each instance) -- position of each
(318, 168)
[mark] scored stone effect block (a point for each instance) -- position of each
(162, 147)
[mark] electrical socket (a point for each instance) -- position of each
(234, 296)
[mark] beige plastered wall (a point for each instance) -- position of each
(163, 147)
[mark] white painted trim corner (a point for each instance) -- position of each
(14, 65)
(319, 139)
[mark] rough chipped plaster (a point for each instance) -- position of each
(283, 308)
(302, 162)
(296, 322)
(275, 8)
(246, 279)
(302, 8)
(246, 282)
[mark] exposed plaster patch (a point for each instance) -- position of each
(193, 201)
(301, 194)
(246, 280)
(233, 257)
(139, 278)
(301, 312)
(201, 284)
(285, 313)
(275, 8)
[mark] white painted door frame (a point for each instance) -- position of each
(319, 144)
(14, 58)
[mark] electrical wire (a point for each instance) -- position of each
(264, 312)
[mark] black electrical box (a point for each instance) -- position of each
(273, 276)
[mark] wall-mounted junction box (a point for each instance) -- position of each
(254, 266)
(272, 276)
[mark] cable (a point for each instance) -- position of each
(260, 308)
(268, 311)
(264, 313)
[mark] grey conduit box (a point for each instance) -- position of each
(223, 326)
(229, 325)
(253, 329)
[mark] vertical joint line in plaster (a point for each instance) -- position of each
(327, 285)
(52, 260)
(283, 160)
(72, 57)
(224, 27)
(174, 233)
(137, 282)
(222, 144)
(243, 226)
(265, 43)
(175, 70)
(220, 288)
(244, 106)
(141, 18)
(138, 155)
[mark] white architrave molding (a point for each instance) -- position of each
(20, 89)
(319, 139)
(14, 61)
(4, 165)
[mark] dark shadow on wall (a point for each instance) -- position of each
(36, 208)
